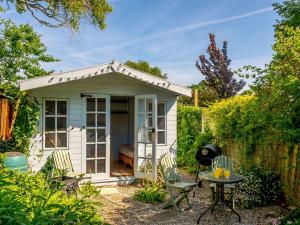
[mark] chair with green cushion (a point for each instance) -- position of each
(223, 161)
(177, 188)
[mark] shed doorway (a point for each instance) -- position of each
(122, 136)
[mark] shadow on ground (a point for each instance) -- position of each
(119, 208)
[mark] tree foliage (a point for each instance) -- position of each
(145, 67)
(272, 111)
(57, 13)
(286, 61)
(206, 95)
(21, 56)
(216, 70)
(289, 13)
(22, 52)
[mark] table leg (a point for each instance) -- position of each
(220, 198)
(210, 207)
(235, 212)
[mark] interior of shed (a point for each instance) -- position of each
(122, 135)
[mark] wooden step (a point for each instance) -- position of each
(112, 181)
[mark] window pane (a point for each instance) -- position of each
(141, 105)
(62, 140)
(161, 109)
(150, 121)
(90, 135)
(50, 108)
(61, 108)
(101, 120)
(149, 105)
(90, 166)
(161, 122)
(90, 151)
(90, 119)
(101, 166)
(61, 123)
(101, 135)
(50, 124)
(90, 104)
(141, 165)
(101, 150)
(161, 137)
(141, 120)
(50, 140)
(101, 104)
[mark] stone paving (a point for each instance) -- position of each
(119, 208)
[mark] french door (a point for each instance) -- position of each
(145, 136)
(96, 135)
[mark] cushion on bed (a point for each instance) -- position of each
(127, 150)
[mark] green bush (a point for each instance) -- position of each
(293, 218)
(150, 193)
(260, 187)
(27, 198)
(190, 137)
(188, 128)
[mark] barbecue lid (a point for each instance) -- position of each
(206, 154)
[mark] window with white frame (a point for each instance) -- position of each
(55, 124)
(161, 123)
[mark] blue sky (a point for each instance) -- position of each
(170, 34)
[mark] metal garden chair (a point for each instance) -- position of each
(177, 189)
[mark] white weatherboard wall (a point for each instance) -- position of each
(111, 84)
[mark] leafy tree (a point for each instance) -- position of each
(289, 11)
(21, 52)
(57, 13)
(217, 72)
(206, 95)
(21, 56)
(286, 61)
(145, 67)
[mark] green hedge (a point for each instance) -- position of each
(189, 135)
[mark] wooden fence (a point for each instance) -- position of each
(8, 113)
(277, 157)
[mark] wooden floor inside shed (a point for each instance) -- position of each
(117, 169)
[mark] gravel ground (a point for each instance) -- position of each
(119, 208)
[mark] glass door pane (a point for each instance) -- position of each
(96, 129)
(145, 122)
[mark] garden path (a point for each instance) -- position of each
(120, 209)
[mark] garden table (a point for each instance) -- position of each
(220, 195)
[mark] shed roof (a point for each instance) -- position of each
(99, 70)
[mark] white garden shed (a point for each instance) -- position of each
(103, 115)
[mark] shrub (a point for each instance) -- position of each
(27, 198)
(189, 160)
(188, 128)
(89, 190)
(293, 218)
(150, 193)
(260, 187)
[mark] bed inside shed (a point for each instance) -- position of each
(122, 136)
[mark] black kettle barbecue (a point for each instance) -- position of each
(205, 157)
